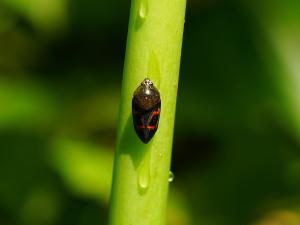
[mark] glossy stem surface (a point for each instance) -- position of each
(141, 171)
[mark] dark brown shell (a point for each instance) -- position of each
(146, 106)
(146, 95)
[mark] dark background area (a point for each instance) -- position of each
(236, 155)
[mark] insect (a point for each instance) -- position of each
(146, 110)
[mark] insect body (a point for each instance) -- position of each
(146, 110)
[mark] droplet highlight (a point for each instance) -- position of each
(143, 10)
(141, 13)
(144, 174)
(171, 176)
(144, 179)
(160, 155)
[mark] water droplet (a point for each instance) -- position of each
(171, 176)
(144, 173)
(143, 10)
(142, 13)
(144, 180)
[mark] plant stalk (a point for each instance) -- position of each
(140, 179)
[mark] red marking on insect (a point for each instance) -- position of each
(146, 110)
(148, 127)
(157, 112)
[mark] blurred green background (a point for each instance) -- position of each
(236, 155)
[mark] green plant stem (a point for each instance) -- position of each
(140, 180)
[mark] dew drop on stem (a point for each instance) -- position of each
(171, 176)
(144, 173)
(141, 13)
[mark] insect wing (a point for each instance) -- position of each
(146, 122)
